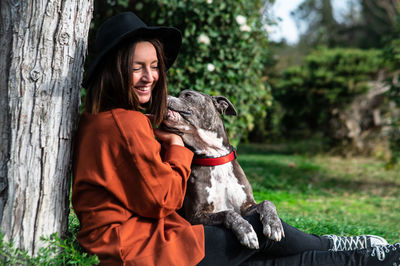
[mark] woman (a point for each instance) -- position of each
(127, 187)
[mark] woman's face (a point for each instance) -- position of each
(145, 70)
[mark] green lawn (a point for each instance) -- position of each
(325, 194)
(313, 191)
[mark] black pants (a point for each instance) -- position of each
(297, 248)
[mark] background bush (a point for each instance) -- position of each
(224, 50)
(328, 79)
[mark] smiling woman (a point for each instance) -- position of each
(124, 192)
(142, 62)
(145, 70)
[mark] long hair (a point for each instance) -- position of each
(112, 86)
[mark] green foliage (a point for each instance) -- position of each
(56, 251)
(329, 79)
(224, 51)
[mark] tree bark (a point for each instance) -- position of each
(42, 49)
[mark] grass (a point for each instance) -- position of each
(325, 194)
(313, 191)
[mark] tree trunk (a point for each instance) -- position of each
(42, 50)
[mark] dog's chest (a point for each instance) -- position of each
(225, 192)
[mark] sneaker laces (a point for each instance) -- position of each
(348, 243)
(380, 251)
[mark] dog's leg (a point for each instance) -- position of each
(231, 220)
(272, 225)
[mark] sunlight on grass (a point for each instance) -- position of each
(325, 194)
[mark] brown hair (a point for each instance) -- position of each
(112, 86)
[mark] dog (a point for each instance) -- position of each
(218, 191)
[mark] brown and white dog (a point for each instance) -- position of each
(218, 191)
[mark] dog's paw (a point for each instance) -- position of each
(272, 225)
(273, 231)
(242, 229)
(250, 240)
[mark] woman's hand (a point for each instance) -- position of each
(168, 138)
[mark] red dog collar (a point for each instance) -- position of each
(216, 161)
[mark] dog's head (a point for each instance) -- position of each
(197, 118)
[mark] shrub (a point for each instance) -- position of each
(329, 79)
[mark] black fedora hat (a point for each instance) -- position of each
(128, 25)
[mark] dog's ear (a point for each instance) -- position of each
(224, 106)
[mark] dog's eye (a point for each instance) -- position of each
(187, 95)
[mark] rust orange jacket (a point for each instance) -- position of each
(126, 194)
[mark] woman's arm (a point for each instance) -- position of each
(154, 186)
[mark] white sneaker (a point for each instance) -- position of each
(340, 243)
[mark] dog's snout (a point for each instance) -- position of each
(170, 98)
(171, 101)
(177, 105)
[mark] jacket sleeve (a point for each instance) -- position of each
(154, 186)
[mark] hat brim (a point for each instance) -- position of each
(170, 38)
